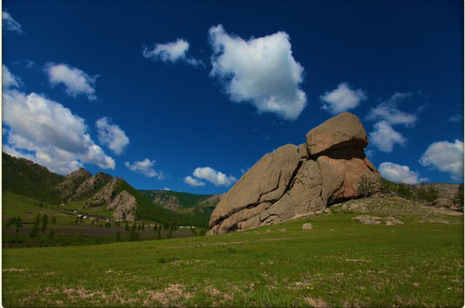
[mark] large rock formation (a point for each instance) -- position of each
(122, 203)
(91, 185)
(294, 180)
(72, 181)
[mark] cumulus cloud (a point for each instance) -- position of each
(51, 135)
(389, 112)
(9, 80)
(217, 178)
(446, 157)
(193, 182)
(145, 167)
(10, 24)
(171, 52)
(76, 81)
(111, 135)
(261, 71)
(384, 137)
(341, 99)
(399, 174)
(456, 118)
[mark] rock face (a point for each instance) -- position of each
(342, 131)
(122, 203)
(169, 202)
(124, 206)
(91, 185)
(72, 181)
(294, 180)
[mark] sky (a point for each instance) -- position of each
(188, 96)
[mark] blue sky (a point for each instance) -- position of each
(189, 95)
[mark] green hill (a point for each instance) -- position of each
(25, 178)
(29, 179)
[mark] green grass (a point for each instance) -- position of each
(27, 208)
(339, 262)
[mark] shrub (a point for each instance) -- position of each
(365, 186)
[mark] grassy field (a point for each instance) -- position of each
(17, 205)
(340, 262)
(67, 229)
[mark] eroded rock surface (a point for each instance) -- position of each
(299, 180)
(265, 182)
(91, 185)
(341, 131)
(124, 206)
(72, 181)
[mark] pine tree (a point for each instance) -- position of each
(118, 236)
(18, 223)
(44, 223)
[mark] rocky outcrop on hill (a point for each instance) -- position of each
(91, 186)
(169, 202)
(444, 190)
(212, 201)
(124, 206)
(122, 203)
(297, 180)
(72, 181)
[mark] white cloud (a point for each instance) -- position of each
(171, 52)
(145, 167)
(75, 80)
(166, 188)
(193, 182)
(215, 177)
(388, 111)
(456, 118)
(10, 24)
(261, 71)
(341, 99)
(370, 153)
(446, 157)
(111, 135)
(9, 80)
(49, 134)
(384, 137)
(399, 174)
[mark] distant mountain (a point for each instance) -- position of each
(113, 195)
(180, 201)
(197, 206)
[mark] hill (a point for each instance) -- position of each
(200, 206)
(99, 195)
(416, 261)
(29, 179)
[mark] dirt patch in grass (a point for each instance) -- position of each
(14, 269)
(168, 297)
(316, 302)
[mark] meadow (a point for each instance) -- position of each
(65, 228)
(340, 262)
